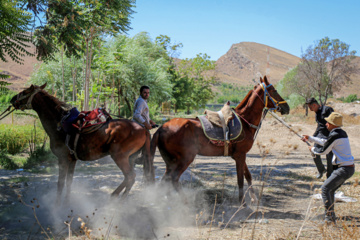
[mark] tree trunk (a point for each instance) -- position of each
(86, 84)
(62, 71)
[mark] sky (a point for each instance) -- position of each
(213, 26)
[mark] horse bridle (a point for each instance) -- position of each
(267, 96)
(28, 103)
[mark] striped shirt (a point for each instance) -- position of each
(338, 143)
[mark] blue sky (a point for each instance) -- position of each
(212, 26)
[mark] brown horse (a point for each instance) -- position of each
(179, 140)
(118, 138)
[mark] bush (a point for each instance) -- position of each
(38, 156)
(15, 138)
(351, 98)
(6, 162)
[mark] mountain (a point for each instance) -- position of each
(248, 60)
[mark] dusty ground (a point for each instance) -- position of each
(283, 179)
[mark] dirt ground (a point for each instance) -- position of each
(284, 181)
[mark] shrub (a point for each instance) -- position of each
(15, 138)
(6, 162)
(351, 98)
(38, 156)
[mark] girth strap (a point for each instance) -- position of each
(226, 133)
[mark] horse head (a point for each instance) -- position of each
(23, 99)
(272, 99)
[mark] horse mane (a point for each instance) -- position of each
(244, 101)
(59, 105)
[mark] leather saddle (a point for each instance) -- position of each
(216, 133)
(76, 123)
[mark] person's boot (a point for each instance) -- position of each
(330, 218)
(320, 166)
(320, 174)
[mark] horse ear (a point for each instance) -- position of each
(266, 81)
(31, 88)
(43, 86)
(261, 80)
(228, 102)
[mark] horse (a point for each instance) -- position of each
(119, 138)
(181, 139)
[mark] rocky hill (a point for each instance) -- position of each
(248, 60)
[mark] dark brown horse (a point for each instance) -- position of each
(118, 138)
(179, 140)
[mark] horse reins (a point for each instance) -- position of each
(21, 107)
(6, 110)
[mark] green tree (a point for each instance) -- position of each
(294, 88)
(14, 36)
(327, 66)
(139, 61)
(197, 75)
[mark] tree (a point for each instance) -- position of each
(139, 61)
(195, 74)
(292, 86)
(327, 66)
(14, 36)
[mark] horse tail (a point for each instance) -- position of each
(149, 171)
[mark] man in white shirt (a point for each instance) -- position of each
(343, 161)
(141, 109)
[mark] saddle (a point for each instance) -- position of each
(222, 127)
(85, 122)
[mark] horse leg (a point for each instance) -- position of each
(240, 167)
(63, 166)
(177, 171)
(69, 178)
(129, 176)
(249, 181)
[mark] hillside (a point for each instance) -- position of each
(248, 60)
(20, 73)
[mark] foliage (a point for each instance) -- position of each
(193, 84)
(14, 38)
(137, 61)
(73, 23)
(51, 73)
(6, 162)
(15, 138)
(293, 88)
(39, 155)
(326, 67)
(349, 99)
(171, 48)
(231, 92)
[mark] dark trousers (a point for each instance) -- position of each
(337, 178)
(320, 166)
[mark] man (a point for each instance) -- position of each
(343, 161)
(321, 112)
(141, 109)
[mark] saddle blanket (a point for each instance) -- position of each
(216, 133)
